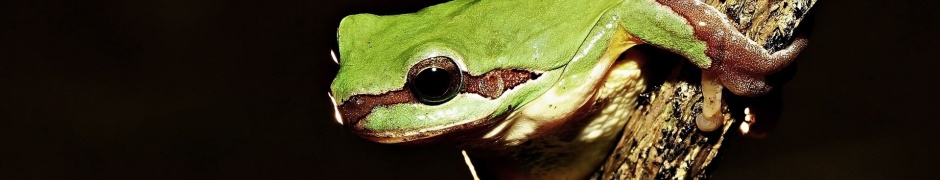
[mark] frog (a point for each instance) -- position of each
(533, 89)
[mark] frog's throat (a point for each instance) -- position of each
(579, 129)
(562, 104)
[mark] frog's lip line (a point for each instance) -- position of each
(490, 85)
(404, 136)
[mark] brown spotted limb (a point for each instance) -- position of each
(661, 140)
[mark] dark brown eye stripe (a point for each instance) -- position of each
(494, 83)
(358, 106)
(490, 85)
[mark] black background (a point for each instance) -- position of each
(237, 90)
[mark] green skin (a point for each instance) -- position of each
(561, 40)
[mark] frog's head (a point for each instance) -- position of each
(449, 69)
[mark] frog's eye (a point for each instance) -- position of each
(435, 80)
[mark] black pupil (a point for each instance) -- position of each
(433, 82)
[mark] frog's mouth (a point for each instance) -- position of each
(356, 113)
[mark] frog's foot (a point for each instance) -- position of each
(743, 71)
(741, 64)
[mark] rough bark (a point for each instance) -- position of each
(661, 140)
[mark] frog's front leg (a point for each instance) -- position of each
(738, 63)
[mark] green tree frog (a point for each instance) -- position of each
(533, 89)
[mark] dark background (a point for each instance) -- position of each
(237, 90)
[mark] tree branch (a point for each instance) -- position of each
(661, 140)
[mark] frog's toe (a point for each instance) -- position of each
(744, 72)
(743, 84)
(711, 104)
(707, 124)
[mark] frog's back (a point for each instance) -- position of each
(493, 33)
(487, 34)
